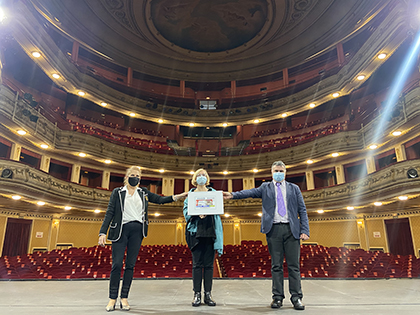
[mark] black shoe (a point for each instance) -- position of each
(277, 303)
(208, 300)
(298, 305)
(197, 299)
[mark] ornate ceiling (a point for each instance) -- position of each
(207, 40)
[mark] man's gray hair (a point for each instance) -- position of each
(278, 163)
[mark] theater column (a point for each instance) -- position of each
(105, 179)
(310, 183)
(45, 163)
(248, 183)
(400, 153)
(186, 185)
(370, 164)
(230, 186)
(339, 173)
(15, 152)
(168, 186)
(75, 173)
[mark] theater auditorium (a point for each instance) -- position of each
(92, 87)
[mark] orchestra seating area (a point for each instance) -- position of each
(248, 260)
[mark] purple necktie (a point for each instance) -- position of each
(280, 201)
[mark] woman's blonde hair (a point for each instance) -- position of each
(128, 171)
(194, 177)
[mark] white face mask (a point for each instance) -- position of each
(201, 180)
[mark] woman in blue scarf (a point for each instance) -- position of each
(204, 236)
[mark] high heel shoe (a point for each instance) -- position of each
(125, 307)
(110, 308)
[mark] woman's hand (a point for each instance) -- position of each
(102, 239)
(202, 216)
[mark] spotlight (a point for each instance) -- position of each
(412, 173)
(21, 132)
(16, 197)
(377, 203)
(36, 54)
(350, 208)
(312, 105)
(402, 198)
(382, 56)
(56, 76)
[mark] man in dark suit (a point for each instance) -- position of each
(285, 222)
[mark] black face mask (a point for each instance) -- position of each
(133, 181)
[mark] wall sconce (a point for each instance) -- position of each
(55, 223)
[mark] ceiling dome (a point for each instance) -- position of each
(208, 26)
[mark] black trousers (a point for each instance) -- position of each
(282, 242)
(131, 238)
(203, 259)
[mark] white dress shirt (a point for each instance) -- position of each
(133, 207)
(277, 217)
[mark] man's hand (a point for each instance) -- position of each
(227, 195)
(304, 237)
(102, 239)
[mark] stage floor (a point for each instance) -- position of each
(233, 296)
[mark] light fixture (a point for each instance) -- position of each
(97, 210)
(161, 170)
(360, 222)
(225, 172)
(192, 172)
(336, 94)
(284, 115)
(227, 215)
(320, 211)
(224, 125)
(208, 97)
(107, 161)
(350, 208)
(312, 105)
(21, 132)
(256, 121)
(361, 77)
(81, 93)
(373, 146)
(67, 208)
(40, 203)
(56, 76)
(156, 214)
(36, 54)
(44, 146)
(396, 133)
(132, 114)
(2, 15)
(309, 161)
(81, 154)
(16, 197)
(103, 104)
(191, 124)
(255, 170)
(335, 154)
(377, 203)
(402, 198)
(160, 121)
(382, 56)
(260, 214)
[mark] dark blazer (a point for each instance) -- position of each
(296, 209)
(113, 215)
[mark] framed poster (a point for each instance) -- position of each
(205, 202)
